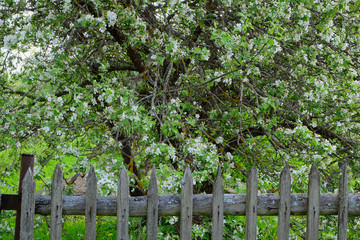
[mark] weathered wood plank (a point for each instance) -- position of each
(251, 204)
(218, 207)
(152, 208)
(343, 203)
(285, 203)
(186, 208)
(122, 210)
(313, 211)
(234, 204)
(56, 204)
(27, 207)
(90, 205)
(27, 161)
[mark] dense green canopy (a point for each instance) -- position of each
(184, 82)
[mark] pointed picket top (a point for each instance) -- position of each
(91, 178)
(56, 203)
(152, 207)
(153, 181)
(251, 204)
(27, 206)
(90, 205)
(28, 176)
(285, 202)
(123, 205)
(218, 207)
(313, 169)
(186, 208)
(343, 203)
(187, 175)
(313, 211)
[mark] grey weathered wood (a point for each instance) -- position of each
(122, 206)
(218, 207)
(313, 211)
(27, 161)
(343, 203)
(56, 204)
(152, 208)
(187, 204)
(234, 204)
(27, 207)
(251, 204)
(285, 203)
(90, 205)
(186, 208)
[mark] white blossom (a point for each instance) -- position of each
(46, 129)
(111, 17)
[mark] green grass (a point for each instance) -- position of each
(73, 226)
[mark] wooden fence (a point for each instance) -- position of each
(187, 205)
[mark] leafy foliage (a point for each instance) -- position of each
(170, 83)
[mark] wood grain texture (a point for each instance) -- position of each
(27, 207)
(122, 206)
(56, 204)
(152, 208)
(285, 203)
(186, 205)
(313, 210)
(251, 204)
(343, 203)
(186, 208)
(234, 204)
(218, 208)
(90, 205)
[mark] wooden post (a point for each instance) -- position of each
(186, 208)
(27, 162)
(56, 204)
(251, 204)
(122, 209)
(90, 207)
(313, 210)
(284, 206)
(218, 207)
(152, 208)
(28, 207)
(343, 203)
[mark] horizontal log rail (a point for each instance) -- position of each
(252, 204)
(169, 205)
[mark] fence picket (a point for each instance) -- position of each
(343, 203)
(186, 205)
(186, 208)
(27, 207)
(152, 207)
(56, 204)
(90, 205)
(251, 204)
(313, 211)
(218, 207)
(284, 206)
(123, 206)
